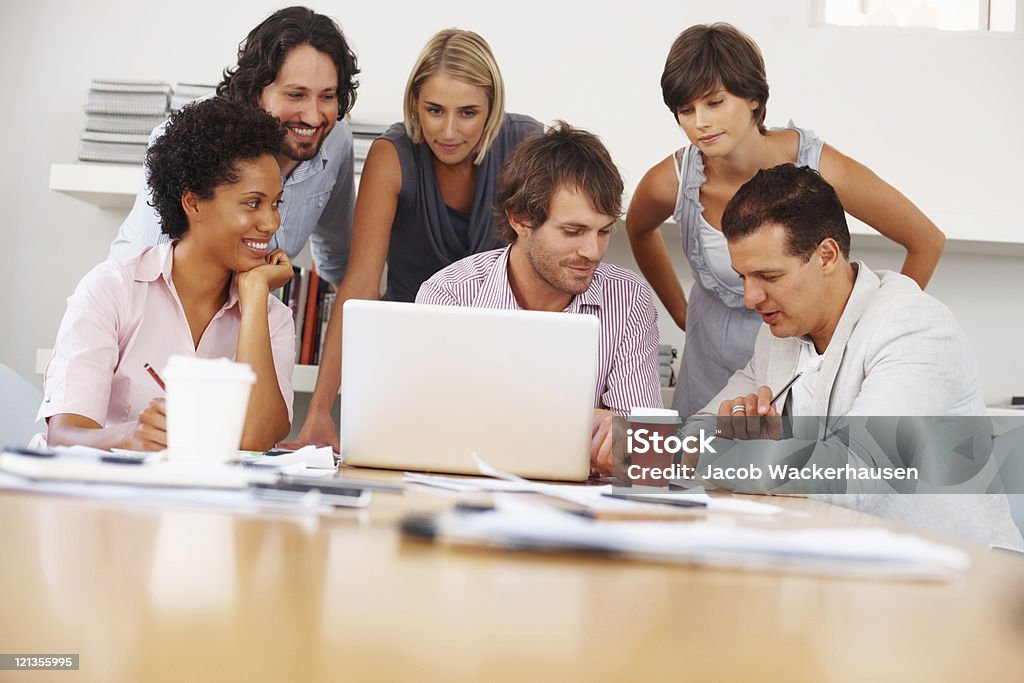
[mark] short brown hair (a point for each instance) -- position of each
(541, 165)
(795, 197)
(707, 56)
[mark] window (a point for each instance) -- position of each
(944, 15)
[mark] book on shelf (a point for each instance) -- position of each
(325, 306)
(309, 326)
(310, 299)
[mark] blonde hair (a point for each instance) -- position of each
(468, 57)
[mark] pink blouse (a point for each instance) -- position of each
(124, 314)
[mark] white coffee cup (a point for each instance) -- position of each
(207, 399)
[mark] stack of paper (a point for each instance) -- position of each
(83, 464)
(595, 498)
(149, 478)
(515, 524)
(363, 135)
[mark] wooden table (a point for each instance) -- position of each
(154, 594)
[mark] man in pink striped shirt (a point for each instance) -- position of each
(558, 196)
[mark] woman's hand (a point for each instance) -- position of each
(319, 430)
(150, 432)
(266, 278)
(652, 204)
(147, 433)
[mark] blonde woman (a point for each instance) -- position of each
(426, 192)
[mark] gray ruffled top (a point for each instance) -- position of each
(720, 332)
(426, 234)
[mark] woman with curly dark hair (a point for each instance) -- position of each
(216, 186)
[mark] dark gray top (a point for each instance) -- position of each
(427, 235)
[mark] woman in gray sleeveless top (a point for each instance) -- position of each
(715, 86)
(426, 192)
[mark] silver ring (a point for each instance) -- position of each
(738, 409)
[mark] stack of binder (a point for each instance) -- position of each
(186, 92)
(363, 135)
(666, 356)
(119, 117)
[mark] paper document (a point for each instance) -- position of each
(156, 473)
(233, 500)
(307, 461)
(517, 524)
(589, 497)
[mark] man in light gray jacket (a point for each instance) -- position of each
(841, 348)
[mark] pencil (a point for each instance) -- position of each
(156, 377)
(781, 391)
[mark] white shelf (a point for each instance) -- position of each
(1005, 410)
(965, 234)
(108, 186)
(115, 186)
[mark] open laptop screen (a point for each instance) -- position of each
(423, 387)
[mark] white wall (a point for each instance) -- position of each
(937, 115)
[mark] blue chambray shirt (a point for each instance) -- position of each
(319, 197)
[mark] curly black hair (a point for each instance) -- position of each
(262, 53)
(198, 151)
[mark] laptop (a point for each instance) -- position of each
(425, 387)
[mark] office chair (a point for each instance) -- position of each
(19, 403)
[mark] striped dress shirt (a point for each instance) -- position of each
(627, 373)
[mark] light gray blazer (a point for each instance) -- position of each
(895, 352)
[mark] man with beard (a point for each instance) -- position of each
(558, 196)
(297, 66)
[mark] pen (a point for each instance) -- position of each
(156, 377)
(123, 460)
(341, 483)
(781, 391)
